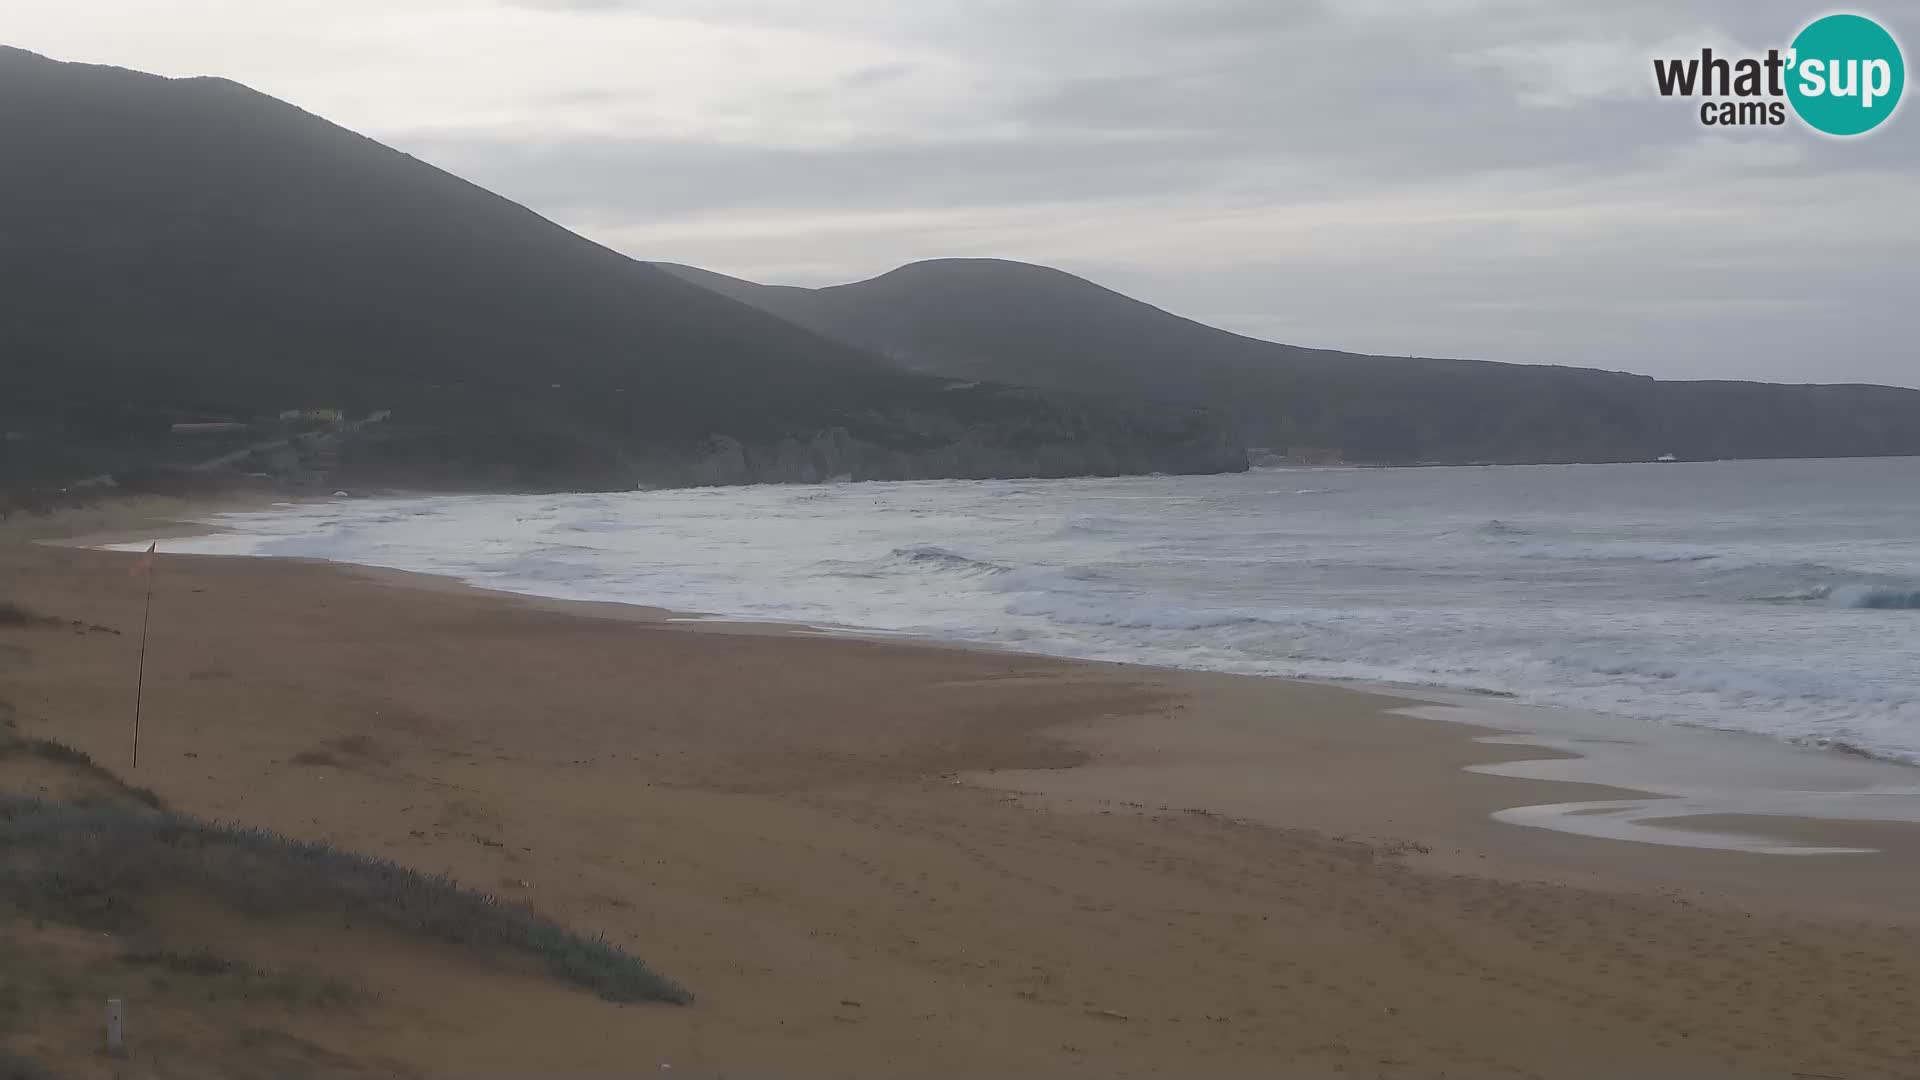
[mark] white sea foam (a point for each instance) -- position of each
(1774, 597)
(1621, 552)
(1869, 595)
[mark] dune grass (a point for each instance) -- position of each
(79, 761)
(60, 752)
(244, 979)
(89, 863)
(12, 614)
(15, 1067)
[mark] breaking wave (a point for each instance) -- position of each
(1828, 587)
(939, 558)
(1127, 615)
(915, 559)
(1879, 597)
(1624, 551)
(1768, 597)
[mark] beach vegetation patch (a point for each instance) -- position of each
(20, 616)
(12, 614)
(246, 980)
(15, 1067)
(90, 863)
(361, 746)
(79, 761)
(347, 751)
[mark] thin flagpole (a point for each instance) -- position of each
(140, 680)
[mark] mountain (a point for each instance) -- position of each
(993, 319)
(192, 250)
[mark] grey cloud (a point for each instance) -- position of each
(578, 5)
(653, 178)
(1516, 190)
(875, 76)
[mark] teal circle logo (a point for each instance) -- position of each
(1845, 75)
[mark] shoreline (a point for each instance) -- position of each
(882, 857)
(1644, 803)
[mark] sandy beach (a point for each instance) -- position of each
(873, 858)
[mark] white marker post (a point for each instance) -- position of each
(116, 1028)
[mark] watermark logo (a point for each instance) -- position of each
(1842, 75)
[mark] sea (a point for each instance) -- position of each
(1771, 597)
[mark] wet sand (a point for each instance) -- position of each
(886, 858)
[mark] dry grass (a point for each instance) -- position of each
(88, 864)
(79, 761)
(14, 1067)
(12, 614)
(360, 746)
(19, 616)
(239, 979)
(347, 751)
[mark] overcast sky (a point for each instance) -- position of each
(1484, 178)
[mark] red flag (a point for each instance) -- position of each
(143, 564)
